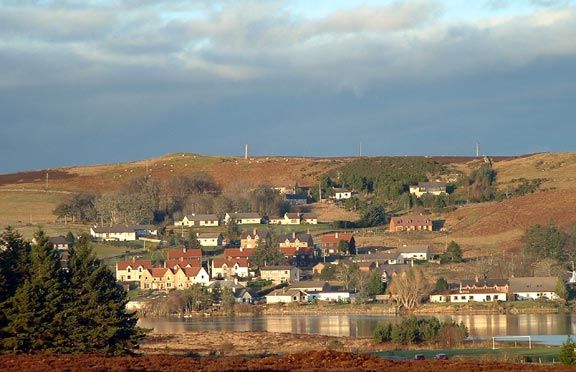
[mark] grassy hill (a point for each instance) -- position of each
(26, 203)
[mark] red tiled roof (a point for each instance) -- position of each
(413, 220)
(134, 264)
(158, 272)
(191, 271)
(219, 261)
(293, 251)
(184, 252)
(331, 238)
(237, 252)
(183, 263)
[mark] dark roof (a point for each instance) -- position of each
(413, 220)
(208, 235)
(58, 240)
(303, 284)
(414, 249)
(480, 283)
(202, 217)
(244, 215)
(269, 268)
(292, 216)
(291, 237)
(534, 284)
(431, 185)
(307, 216)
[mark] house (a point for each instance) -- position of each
(389, 257)
(296, 199)
(311, 286)
(210, 239)
(158, 278)
(286, 189)
(317, 269)
(433, 188)
(185, 277)
(309, 218)
(182, 263)
(243, 218)
(244, 296)
(331, 296)
(411, 223)
(533, 288)
(341, 194)
(300, 240)
(131, 270)
(280, 274)
(286, 296)
(366, 267)
(122, 233)
(198, 220)
(414, 252)
(329, 243)
(389, 272)
(223, 267)
(59, 242)
(250, 239)
(287, 219)
(298, 256)
(500, 285)
(185, 253)
(231, 284)
(476, 295)
(238, 253)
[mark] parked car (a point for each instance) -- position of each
(441, 356)
(419, 357)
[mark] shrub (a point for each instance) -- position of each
(382, 333)
(567, 352)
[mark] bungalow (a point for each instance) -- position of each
(198, 220)
(311, 286)
(243, 218)
(296, 199)
(414, 252)
(476, 295)
(411, 223)
(286, 296)
(223, 267)
(533, 288)
(131, 270)
(332, 296)
(433, 188)
(287, 219)
(342, 194)
(477, 290)
(390, 257)
(329, 243)
(310, 218)
(59, 242)
(122, 233)
(500, 285)
(280, 274)
(210, 239)
(244, 296)
(288, 189)
(250, 239)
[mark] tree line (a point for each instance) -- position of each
(47, 308)
(145, 200)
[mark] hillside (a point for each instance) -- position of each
(479, 228)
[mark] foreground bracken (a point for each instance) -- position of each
(310, 361)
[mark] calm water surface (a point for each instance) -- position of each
(545, 328)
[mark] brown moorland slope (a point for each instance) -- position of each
(325, 360)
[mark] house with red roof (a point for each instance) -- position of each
(224, 267)
(131, 270)
(238, 253)
(185, 253)
(329, 243)
(158, 278)
(411, 223)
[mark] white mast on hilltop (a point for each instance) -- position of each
(477, 149)
(246, 151)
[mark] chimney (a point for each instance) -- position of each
(293, 234)
(236, 281)
(133, 259)
(476, 278)
(254, 231)
(336, 235)
(184, 249)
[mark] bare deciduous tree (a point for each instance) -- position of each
(409, 288)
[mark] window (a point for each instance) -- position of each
(128, 277)
(128, 269)
(462, 297)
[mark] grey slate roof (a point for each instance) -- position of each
(533, 284)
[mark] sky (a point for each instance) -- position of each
(105, 81)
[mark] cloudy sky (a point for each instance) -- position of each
(93, 81)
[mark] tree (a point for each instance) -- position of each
(453, 253)
(328, 273)
(544, 242)
(374, 216)
(561, 289)
(568, 352)
(227, 300)
(349, 275)
(408, 288)
(71, 239)
(97, 320)
(233, 231)
(374, 285)
(441, 284)
(267, 253)
(36, 320)
(344, 247)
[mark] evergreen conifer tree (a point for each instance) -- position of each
(36, 321)
(97, 316)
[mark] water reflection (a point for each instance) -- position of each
(362, 325)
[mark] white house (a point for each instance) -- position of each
(187, 276)
(309, 218)
(287, 219)
(210, 239)
(198, 220)
(433, 188)
(286, 296)
(533, 288)
(477, 295)
(122, 233)
(243, 218)
(331, 296)
(414, 252)
(342, 194)
(223, 267)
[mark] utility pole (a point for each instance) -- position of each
(360, 149)
(320, 191)
(46, 187)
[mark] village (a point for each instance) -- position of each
(216, 263)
